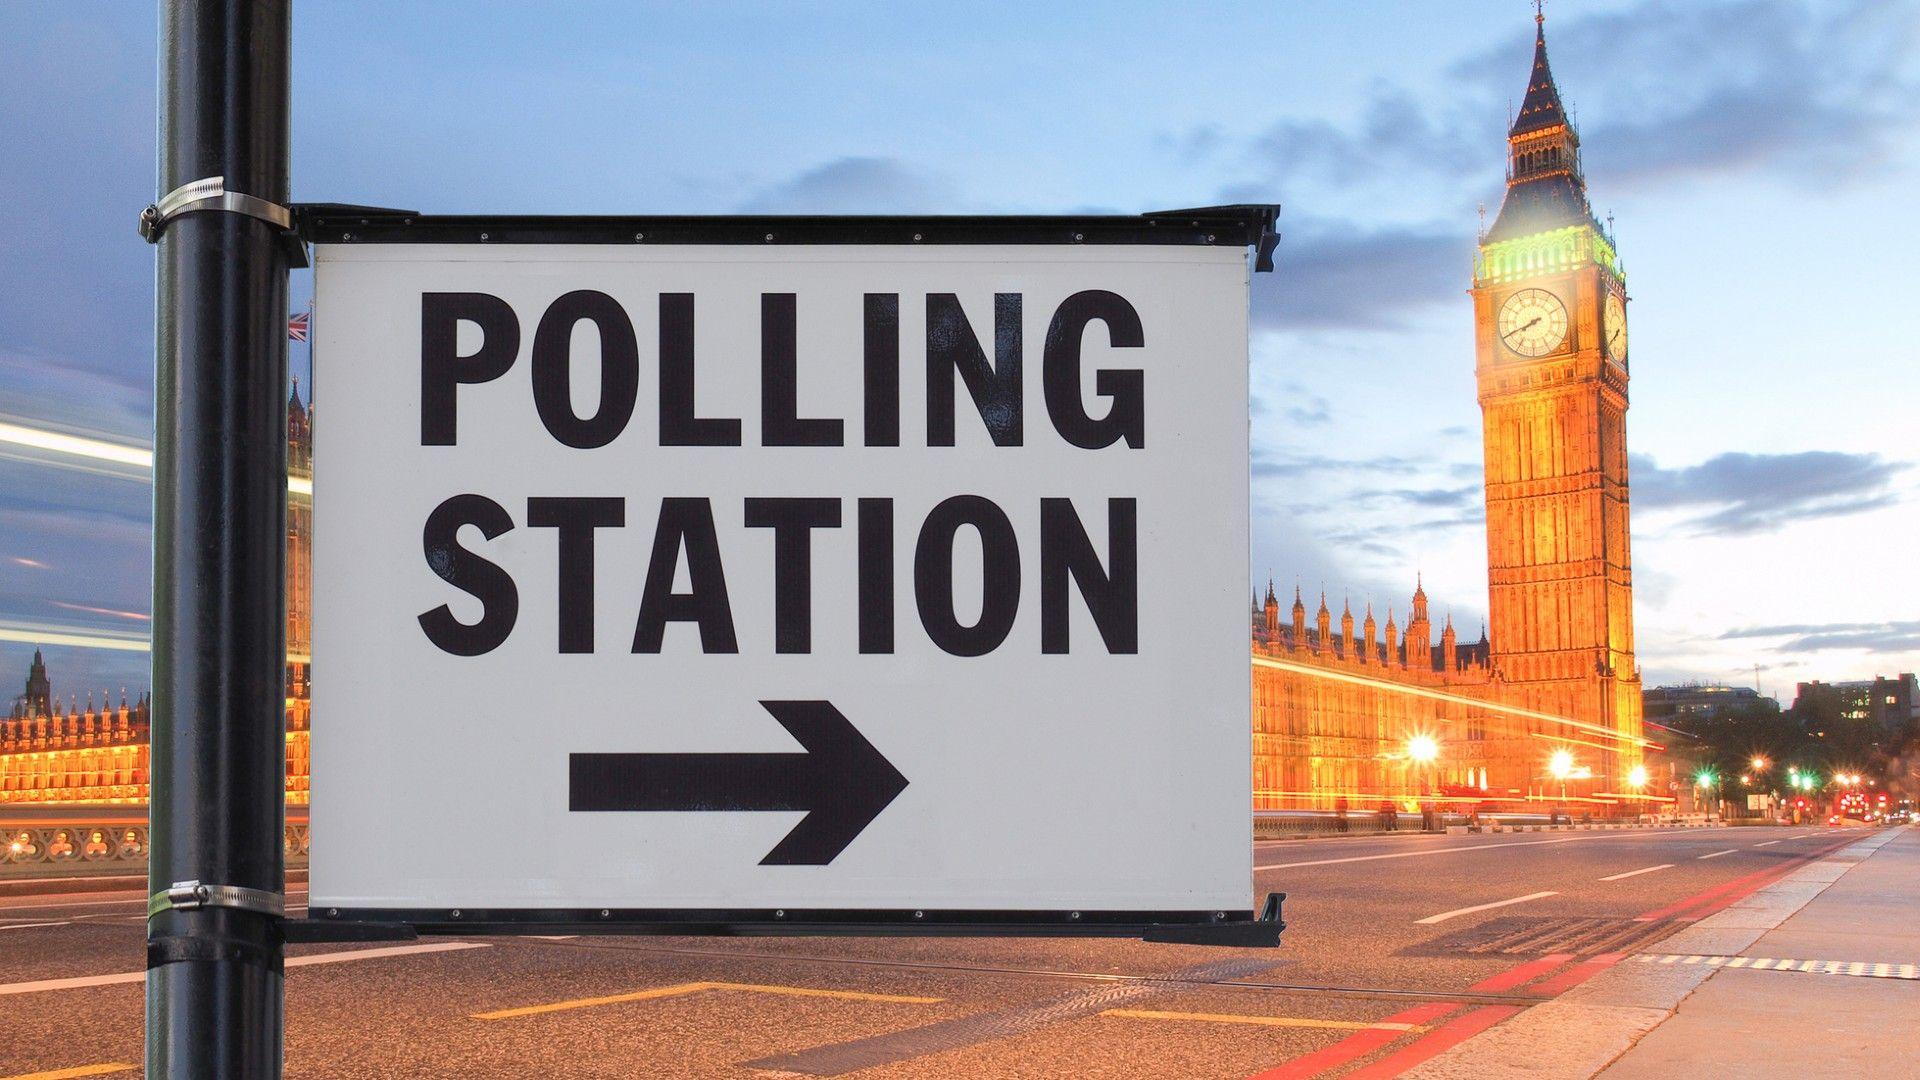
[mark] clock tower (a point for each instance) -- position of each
(1549, 298)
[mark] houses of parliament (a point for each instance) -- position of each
(1543, 707)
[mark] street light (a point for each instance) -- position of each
(1423, 748)
(1560, 765)
(1759, 763)
(1637, 776)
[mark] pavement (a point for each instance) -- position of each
(1403, 952)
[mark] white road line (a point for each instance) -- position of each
(1416, 854)
(1765, 843)
(1445, 915)
(31, 925)
(1637, 873)
(1717, 854)
(84, 981)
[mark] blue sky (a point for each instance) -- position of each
(1758, 157)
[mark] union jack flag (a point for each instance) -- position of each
(298, 326)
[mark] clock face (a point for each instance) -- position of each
(1613, 328)
(1533, 322)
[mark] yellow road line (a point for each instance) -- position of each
(694, 988)
(1265, 1021)
(81, 1070)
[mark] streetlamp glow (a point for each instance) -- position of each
(1560, 765)
(1423, 748)
(1637, 776)
(1759, 763)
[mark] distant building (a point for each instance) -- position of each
(1669, 703)
(1545, 707)
(37, 700)
(1891, 704)
(54, 753)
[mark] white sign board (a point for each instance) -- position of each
(820, 577)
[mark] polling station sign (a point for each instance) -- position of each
(756, 569)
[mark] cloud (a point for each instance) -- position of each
(1292, 463)
(1813, 92)
(1752, 493)
(1876, 637)
(874, 185)
(1334, 274)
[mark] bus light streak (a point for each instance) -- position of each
(1438, 695)
(91, 449)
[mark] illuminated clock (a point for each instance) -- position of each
(1533, 322)
(1613, 328)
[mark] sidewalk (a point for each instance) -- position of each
(1852, 1015)
(1817, 975)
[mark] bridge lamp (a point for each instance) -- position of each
(1637, 776)
(1560, 765)
(1423, 748)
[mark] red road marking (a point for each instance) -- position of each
(1513, 977)
(1454, 1033)
(1757, 880)
(1357, 1045)
(1575, 975)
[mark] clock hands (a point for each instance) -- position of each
(1528, 326)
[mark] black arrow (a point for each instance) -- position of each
(840, 780)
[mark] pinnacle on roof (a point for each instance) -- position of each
(1541, 108)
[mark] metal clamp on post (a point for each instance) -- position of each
(211, 194)
(188, 895)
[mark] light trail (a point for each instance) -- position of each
(1441, 695)
(116, 612)
(32, 634)
(59, 442)
(86, 448)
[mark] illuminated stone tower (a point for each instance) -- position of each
(1550, 319)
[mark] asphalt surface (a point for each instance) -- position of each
(1377, 936)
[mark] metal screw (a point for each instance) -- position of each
(639, 236)
(1077, 237)
(456, 913)
(919, 914)
(346, 237)
(781, 914)
(333, 913)
(769, 238)
(1209, 238)
(916, 238)
(1075, 916)
(483, 236)
(605, 914)
(1218, 915)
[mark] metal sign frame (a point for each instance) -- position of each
(1246, 226)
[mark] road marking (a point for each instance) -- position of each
(1637, 873)
(658, 992)
(1453, 1033)
(1717, 854)
(83, 981)
(1575, 975)
(1445, 915)
(1438, 851)
(78, 1070)
(1766, 843)
(837, 1059)
(1864, 969)
(1354, 1046)
(31, 925)
(1522, 973)
(1265, 1021)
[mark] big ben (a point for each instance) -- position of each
(1551, 334)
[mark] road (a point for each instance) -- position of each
(1397, 947)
